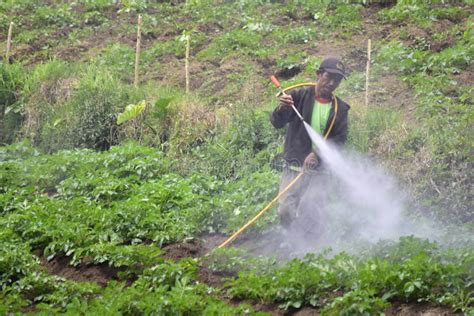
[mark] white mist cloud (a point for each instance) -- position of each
(365, 204)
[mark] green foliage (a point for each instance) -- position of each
(131, 112)
(96, 5)
(409, 270)
(173, 47)
(368, 126)
(58, 16)
(401, 59)
(134, 5)
(65, 110)
(125, 195)
(238, 41)
(299, 35)
(230, 261)
(94, 105)
(444, 109)
(247, 144)
(119, 60)
(16, 261)
(11, 81)
(357, 302)
(346, 18)
(420, 13)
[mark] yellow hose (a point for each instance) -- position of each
(266, 208)
(299, 85)
(253, 220)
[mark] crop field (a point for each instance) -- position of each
(120, 176)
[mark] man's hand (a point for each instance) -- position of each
(311, 161)
(286, 100)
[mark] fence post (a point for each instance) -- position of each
(9, 42)
(186, 65)
(137, 54)
(367, 73)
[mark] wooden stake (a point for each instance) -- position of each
(367, 74)
(9, 41)
(137, 54)
(186, 65)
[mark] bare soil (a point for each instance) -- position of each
(86, 272)
(179, 251)
(418, 309)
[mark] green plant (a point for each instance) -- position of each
(237, 41)
(134, 5)
(59, 16)
(410, 270)
(97, 5)
(119, 59)
(11, 81)
(357, 302)
(346, 19)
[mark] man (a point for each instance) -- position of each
(317, 106)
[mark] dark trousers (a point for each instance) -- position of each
(302, 207)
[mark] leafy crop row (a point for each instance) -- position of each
(411, 270)
(71, 202)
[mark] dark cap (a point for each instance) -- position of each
(334, 66)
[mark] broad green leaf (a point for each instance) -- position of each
(131, 112)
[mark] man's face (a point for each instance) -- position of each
(327, 83)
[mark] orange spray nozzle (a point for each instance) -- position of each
(275, 82)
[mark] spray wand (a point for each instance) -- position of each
(282, 92)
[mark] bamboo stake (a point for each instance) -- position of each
(137, 54)
(367, 73)
(186, 63)
(9, 41)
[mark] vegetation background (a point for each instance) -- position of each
(124, 203)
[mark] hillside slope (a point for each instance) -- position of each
(108, 218)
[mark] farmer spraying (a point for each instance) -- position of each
(327, 115)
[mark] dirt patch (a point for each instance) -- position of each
(209, 277)
(85, 272)
(466, 77)
(29, 309)
(438, 46)
(356, 59)
(182, 250)
(271, 308)
(306, 311)
(423, 309)
(288, 73)
(194, 248)
(390, 91)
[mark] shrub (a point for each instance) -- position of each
(93, 106)
(11, 81)
(247, 144)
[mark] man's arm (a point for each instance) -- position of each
(284, 113)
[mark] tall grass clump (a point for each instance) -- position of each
(11, 81)
(69, 106)
(92, 109)
(47, 88)
(245, 144)
(169, 119)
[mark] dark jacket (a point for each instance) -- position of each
(297, 143)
